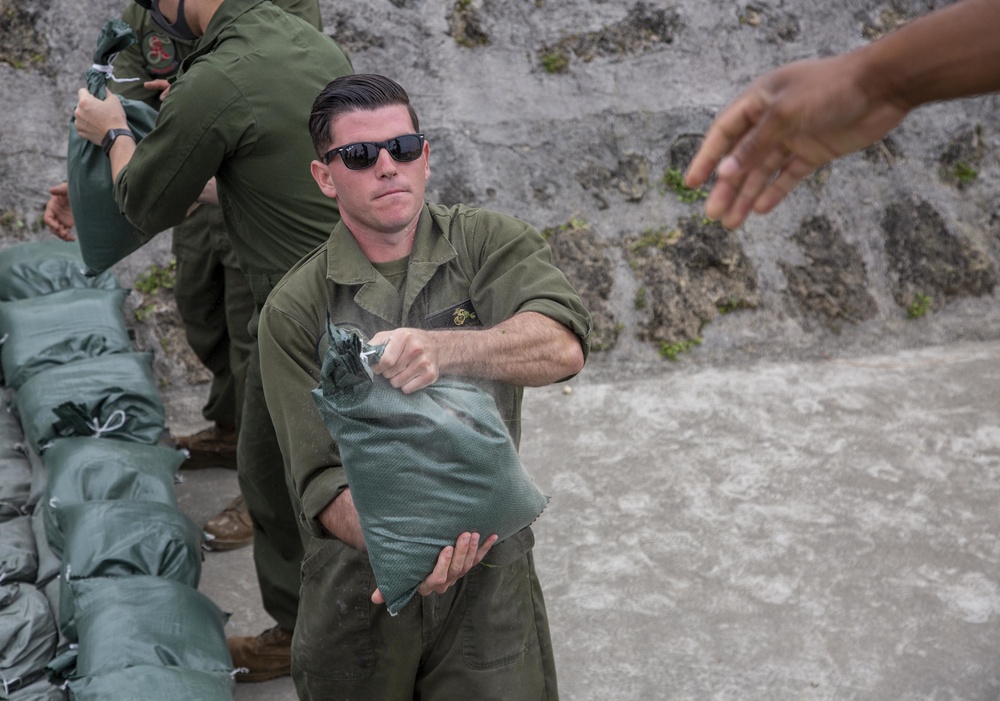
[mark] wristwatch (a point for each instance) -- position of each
(110, 137)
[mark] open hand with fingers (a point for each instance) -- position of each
(58, 214)
(788, 123)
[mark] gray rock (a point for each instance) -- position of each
(583, 112)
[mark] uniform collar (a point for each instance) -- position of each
(347, 264)
(227, 13)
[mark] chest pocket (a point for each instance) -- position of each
(462, 315)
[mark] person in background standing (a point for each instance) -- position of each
(232, 130)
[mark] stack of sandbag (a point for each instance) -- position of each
(28, 634)
(116, 563)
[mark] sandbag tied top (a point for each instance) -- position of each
(89, 469)
(423, 468)
(121, 538)
(115, 538)
(112, 396)
(105, 235)
(62, 327)
(124, 622)
(41, 267)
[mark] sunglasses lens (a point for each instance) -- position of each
(360, 156)
(405, 148)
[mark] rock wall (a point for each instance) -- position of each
(578, 116)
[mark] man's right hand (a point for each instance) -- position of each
(784, 126)
(453, 563)
(340, 519)
(58, 215)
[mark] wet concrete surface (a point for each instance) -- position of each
(807, 530)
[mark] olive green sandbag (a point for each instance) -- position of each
(111, 396)
(122, 538)
(15, 470)
(27, 635)
(59, 328)
(422, 467)
(142, 620)
(37, 268)
(18, 554)
(154, 683)
(96, 469)
(105, 235)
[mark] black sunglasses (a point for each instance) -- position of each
(364, 154)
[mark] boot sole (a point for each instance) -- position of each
(226, 544)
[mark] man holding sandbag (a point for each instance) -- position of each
(445, 292)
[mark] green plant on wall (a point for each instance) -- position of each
(143, 313)
(157, 278)
(655, 238)
(575, 223)
(963, 172)
(731, 305)
(554, 61)
(673, 180)
(670, 351)
(920, 306)
(11, 220)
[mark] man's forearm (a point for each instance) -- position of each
(120, 155)
(340, 519)
(951, 53)
(529, 349)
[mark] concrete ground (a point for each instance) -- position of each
(808, 530)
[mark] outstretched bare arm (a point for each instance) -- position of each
(794, 119)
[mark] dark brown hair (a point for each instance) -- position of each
(366, 91)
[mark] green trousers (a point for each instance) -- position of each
(277, 537)
(215, 305)
(487, 638)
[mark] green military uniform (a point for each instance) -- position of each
(487, 637)
(239, 111)
(212, 294)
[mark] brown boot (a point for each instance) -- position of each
(258, 658)
(212, 447)
(230, 528)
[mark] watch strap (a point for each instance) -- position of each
(110, 137)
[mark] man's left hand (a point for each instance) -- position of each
(95, 117)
